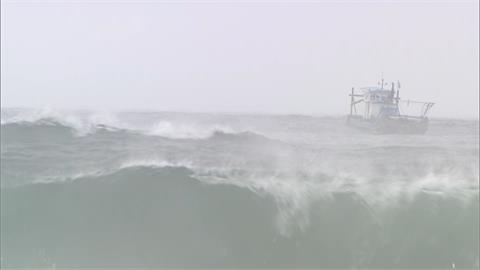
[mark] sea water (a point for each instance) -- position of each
(196, 190)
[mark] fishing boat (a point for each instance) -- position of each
(381, 110)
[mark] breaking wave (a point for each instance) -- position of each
(170, 130)
(81, 124)
(85, 123)
(177, 217)
(172, 190)
(295, 192)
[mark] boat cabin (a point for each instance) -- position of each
(379, 103)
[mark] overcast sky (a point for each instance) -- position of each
(232, 56)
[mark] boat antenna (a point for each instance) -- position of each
(382, 80)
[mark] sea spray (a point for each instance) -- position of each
(89, 189)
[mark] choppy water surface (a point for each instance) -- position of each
(167, 190)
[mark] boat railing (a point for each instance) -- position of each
(414, 108)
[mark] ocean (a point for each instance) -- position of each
(202, 190)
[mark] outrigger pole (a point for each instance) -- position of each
(353, 102)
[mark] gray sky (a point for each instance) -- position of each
(232, 56)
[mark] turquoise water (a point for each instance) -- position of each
(176, 190)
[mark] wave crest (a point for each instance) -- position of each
(81, 123)
(171, 130)
(295, 193)
(86, 123)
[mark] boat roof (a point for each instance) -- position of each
(375, 90)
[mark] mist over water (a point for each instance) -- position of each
(160, 189)
(99, 189)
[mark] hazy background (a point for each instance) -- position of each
(230, 56)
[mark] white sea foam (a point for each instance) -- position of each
(295, 192)
(154, 163)
(186, 131)
(84, 123)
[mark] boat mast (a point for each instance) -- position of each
(392, 93)
(398, 95)
(351, 102)
(382, 80)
